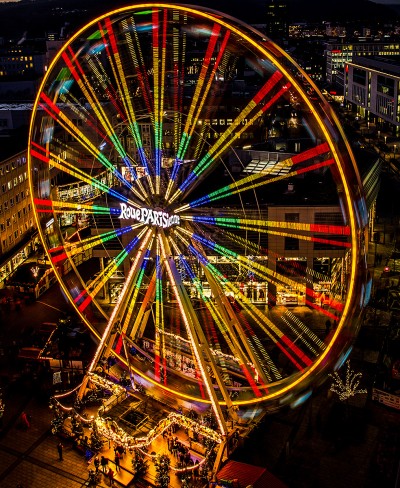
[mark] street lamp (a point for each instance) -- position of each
(394, 151)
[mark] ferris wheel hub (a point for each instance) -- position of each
(149, 216)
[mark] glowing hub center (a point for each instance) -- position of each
(148, 216)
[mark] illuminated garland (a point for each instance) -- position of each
(105, 383)
(111, 431)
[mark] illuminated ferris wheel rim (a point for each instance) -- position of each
(157, 218)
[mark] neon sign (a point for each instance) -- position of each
(148, 216)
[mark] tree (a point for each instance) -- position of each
(96, 441)
(349, 387)
(162, 464)
(139, 465)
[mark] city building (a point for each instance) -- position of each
(309, 264)
(339, 53)
(277, 20)
(17, 227)
(372, 90)
(21, 60)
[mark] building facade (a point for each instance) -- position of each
(339, 54)
(372, 88)
(277, 26)
(17, 227)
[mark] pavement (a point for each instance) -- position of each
(319, 444)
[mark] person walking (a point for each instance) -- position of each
(110, 475)
(96, 463)
(104, 463)
(117, 461)
(25, 421)
(60, 448)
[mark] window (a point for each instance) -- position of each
(291, 244)
(322, 246)
(292, 217)
(77, 122)
(385, 85)
(334, 218)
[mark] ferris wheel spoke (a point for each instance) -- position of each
(233, 132)
(131, 33)
(203, 86)
(70, 249)
(79, 76)
(159, 58)
(238, 337)
(85, 117)
(159, 346)
(264, 272)
(121, 109)
(222, 319)
(261, 270)
(251, 181)
(40, 153)
(266, 226)
(136, 277)
(179, 54)
(257, 316)
(282, 341)
(113, 326)
(298, 358)
(256, 183)
(60, 206)
(304, 334)
(80, 137)
(83, 299)
(122, 87)
(196, 336)
(262, 356)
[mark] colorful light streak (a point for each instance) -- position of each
(202, 167)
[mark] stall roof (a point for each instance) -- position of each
(249, 475)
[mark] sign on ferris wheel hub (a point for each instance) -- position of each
(148, 216)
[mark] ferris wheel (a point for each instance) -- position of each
(199, 204)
